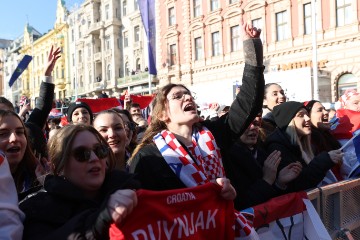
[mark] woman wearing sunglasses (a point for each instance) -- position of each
(110, 125)
(84, 195)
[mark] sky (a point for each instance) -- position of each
(40, 14)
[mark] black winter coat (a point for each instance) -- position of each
(312, 174)
(246, 175)
(61, 211)
(151, 168)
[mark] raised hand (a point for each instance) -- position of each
(247, 31)
(52, 58)
(120, 204)
(336, 156)
(270, 167)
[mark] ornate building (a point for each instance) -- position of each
(199, 45)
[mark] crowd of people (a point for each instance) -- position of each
(74, 181)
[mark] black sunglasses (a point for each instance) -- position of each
(83, 154)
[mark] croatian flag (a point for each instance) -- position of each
(356, 142)
(147, 11)
(20, 69)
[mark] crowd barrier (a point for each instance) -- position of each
(338, 206)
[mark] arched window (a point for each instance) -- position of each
(346, 81)
(108, 72)
(138, 65)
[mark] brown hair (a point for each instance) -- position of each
(156, 125)
(7, 103)
(28, 163)
(60, 146)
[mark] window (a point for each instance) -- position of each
(108, 72)
(90, 77)
(137, 33)
(124, 8)
(281, 26)
(127, 70)
(73, 59)
(107, 9)
(215, 40)
(343, 12)
(126, 39)
(235, 38)
(72, 35)
(171, 12)
(79, 31)
(172, 54)
(233, 1)
(197, 8)
(307, 18)
(107, 43)
(138, 65)
(80, 56)
(214, 5)
(258, 24)
(198, 48)
(346, 81)
(136, 6)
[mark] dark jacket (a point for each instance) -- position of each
(61, 211)
(312, 174)
(151, 168)
(246, 175)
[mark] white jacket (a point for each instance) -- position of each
(11, 217)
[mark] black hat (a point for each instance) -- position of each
(309, 105)
(285, 112)
(76, 105)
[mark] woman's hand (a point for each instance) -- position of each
(270, 167)
(228, 191)
(42, 169)
(120, 204)
(289, 173)
(336, 156)
(247, 31)
(53, 57)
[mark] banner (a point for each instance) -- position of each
(20, 69)
(142, 100)
(147, 11)
(188, 213)
(100, 104)
(289, 217)
(345, 123)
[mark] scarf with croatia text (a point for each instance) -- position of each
(207, 168)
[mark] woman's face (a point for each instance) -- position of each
(111, 127)
(12, 140)
(181, 107)
(302, 123)
(353, 103)
(81, 116)
(87, 174)
(274, 96)
(318, 115)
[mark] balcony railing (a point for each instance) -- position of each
(97, 56)
(133, 79)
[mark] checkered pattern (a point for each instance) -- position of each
(205, 151)
(244, 228)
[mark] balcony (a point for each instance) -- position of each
(95, 27)
(132, 80)
(97, 56)
(138, 45)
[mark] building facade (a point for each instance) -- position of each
(199, 45)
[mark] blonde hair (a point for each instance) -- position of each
(60, 146)
(304, 142)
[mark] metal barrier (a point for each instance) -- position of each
(338, 206)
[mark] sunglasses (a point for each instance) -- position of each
(83, 154)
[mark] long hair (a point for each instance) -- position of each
(304, 142)
(60, 146)
(25, 171)
(156, 125)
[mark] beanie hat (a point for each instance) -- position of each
(309, 105)
(76, 105)
(285, 112)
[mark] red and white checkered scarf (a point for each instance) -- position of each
(192, 172)
(208, 167)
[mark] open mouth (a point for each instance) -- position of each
(190, 107)
(14, 149)
(95, 170)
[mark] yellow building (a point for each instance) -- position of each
(39, 49)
